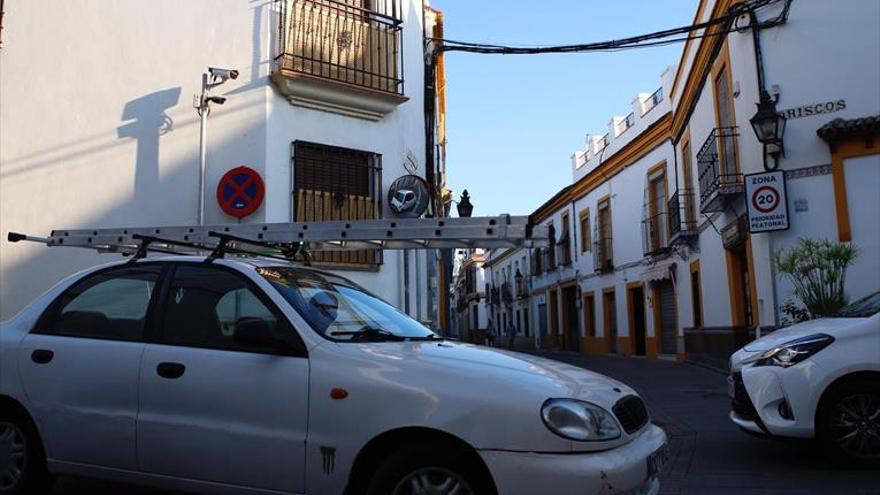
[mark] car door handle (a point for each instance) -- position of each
(42, 356)
(170, 370)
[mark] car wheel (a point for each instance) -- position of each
(850, 424)
(22, 464)
(428, 471)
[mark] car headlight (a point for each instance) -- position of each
(795, 351)
(579, 420)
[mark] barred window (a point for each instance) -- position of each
(332, 183)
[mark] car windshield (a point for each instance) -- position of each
(864, 307)
(340, 310)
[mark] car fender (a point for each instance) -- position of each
(382, 395)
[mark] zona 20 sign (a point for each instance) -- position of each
(766, 201)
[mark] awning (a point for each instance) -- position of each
(660, 271)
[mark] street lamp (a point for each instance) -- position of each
(465, 208)
(211, 79)
(769, 126)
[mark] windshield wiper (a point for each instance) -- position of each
(372, 333)
(432, 336)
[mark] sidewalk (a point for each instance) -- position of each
(708, 454)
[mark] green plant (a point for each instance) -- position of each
(817, 270)
(794, 313)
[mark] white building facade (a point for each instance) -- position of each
(508, 291)
(99, 129)
(809, 67)
(468, 298)
(653, 254)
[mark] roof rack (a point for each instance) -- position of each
(286, 240)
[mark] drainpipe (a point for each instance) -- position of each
(759, 62)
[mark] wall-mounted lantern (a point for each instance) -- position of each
(769, 127)
(465, 208)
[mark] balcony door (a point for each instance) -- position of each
(726, 122)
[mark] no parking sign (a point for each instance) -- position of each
(240, 192)
(766, 201)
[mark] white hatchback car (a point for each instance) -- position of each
(255, 376)
(818, 379)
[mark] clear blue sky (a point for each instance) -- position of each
(515, 120)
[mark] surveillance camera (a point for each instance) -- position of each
(223, 74)
(216, 99)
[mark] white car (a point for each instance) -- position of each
(253, 376)
(818, 379)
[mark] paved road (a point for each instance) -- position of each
(709, 456)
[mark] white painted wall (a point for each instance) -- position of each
(821, 54)
(98, 128)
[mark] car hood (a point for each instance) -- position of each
(830, 326)
(485, 366)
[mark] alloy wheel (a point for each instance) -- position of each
(432, 481)
(855, 425)
(13, 455)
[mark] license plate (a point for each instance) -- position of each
(657, 460)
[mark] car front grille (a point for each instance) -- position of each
(741, 403)
(631, 413)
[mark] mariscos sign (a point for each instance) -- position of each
(766, 201)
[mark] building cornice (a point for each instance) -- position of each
(505, 255)
(633, 151)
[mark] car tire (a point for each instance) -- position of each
(849, 424)
(23, 468)
(428, 470)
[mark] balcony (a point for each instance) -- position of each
(655, 234)
(653, 100)
(720, 182)
(341, 56)
(682, 221)
(602, 254)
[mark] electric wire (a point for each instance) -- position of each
(657, 38)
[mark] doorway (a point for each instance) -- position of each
(667, 316)
(609, 314)
(743, 307)
(571, 338)
(637, 318)
(553, 314)
(542, 325)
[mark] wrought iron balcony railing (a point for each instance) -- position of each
(655, 234)
(603, 258)
(653, 100)
(717, 168)
(356, 42)
(682, 218)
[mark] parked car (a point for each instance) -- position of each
(251, 376)
(818, 379)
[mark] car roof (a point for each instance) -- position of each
(255, 262)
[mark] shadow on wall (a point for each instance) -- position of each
(165, 198)
(148, 121)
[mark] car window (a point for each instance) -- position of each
(216, 308)
(111, 304)
(338, 309)
(864, 307)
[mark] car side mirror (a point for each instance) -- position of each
(255, 332)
